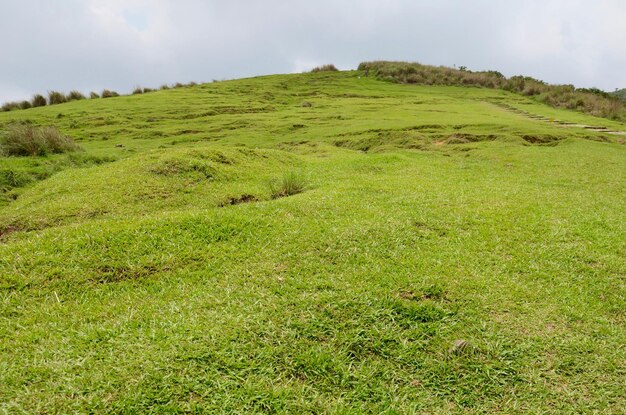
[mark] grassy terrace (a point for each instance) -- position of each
(445, 255)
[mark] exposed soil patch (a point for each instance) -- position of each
(227, 110)
(236, 200)
(463, 138)
(540, 139)
(114, 273)
(8, 230)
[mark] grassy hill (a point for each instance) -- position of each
(451, 250)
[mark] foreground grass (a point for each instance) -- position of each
(152, 285)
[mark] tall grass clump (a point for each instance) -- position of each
(589, 100)
(30, 140)
(109, 94)
(10, 106)
(55, 97)
(38, 101)
(288, 184)
(75, 96)
(325, 68)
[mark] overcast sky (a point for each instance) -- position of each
(118, 44)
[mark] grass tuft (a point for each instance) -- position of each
(325, 68)
(30, 140)
(75, 96)
(38, 100)
(289, 184)
(55, 97)
(109, 94)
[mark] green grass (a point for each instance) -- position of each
(155, 272)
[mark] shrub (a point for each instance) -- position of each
(109, 94)
(146, 90)
(290, 183)
(138, 90)
(10, 106)
(30, 140)
(94, 95)
(619, 94)
(38, 100)
(164, 87)
(24, 105)
(55, 97)
(75, 96)
(325, 68)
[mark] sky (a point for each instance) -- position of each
(89, 45)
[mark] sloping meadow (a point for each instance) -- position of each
(432, 259)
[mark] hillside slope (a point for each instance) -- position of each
(453, 249)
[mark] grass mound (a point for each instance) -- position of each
(30, 140)
(149, 183)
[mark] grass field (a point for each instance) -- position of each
(439, 254)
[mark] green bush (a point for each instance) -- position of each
(138, 90)
(30, 140)
(24, 105)
(94, 95)
(290, 183)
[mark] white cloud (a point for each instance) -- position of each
(93, 44)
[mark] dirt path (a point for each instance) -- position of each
(595, 128)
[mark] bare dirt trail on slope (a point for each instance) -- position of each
(594, 128)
